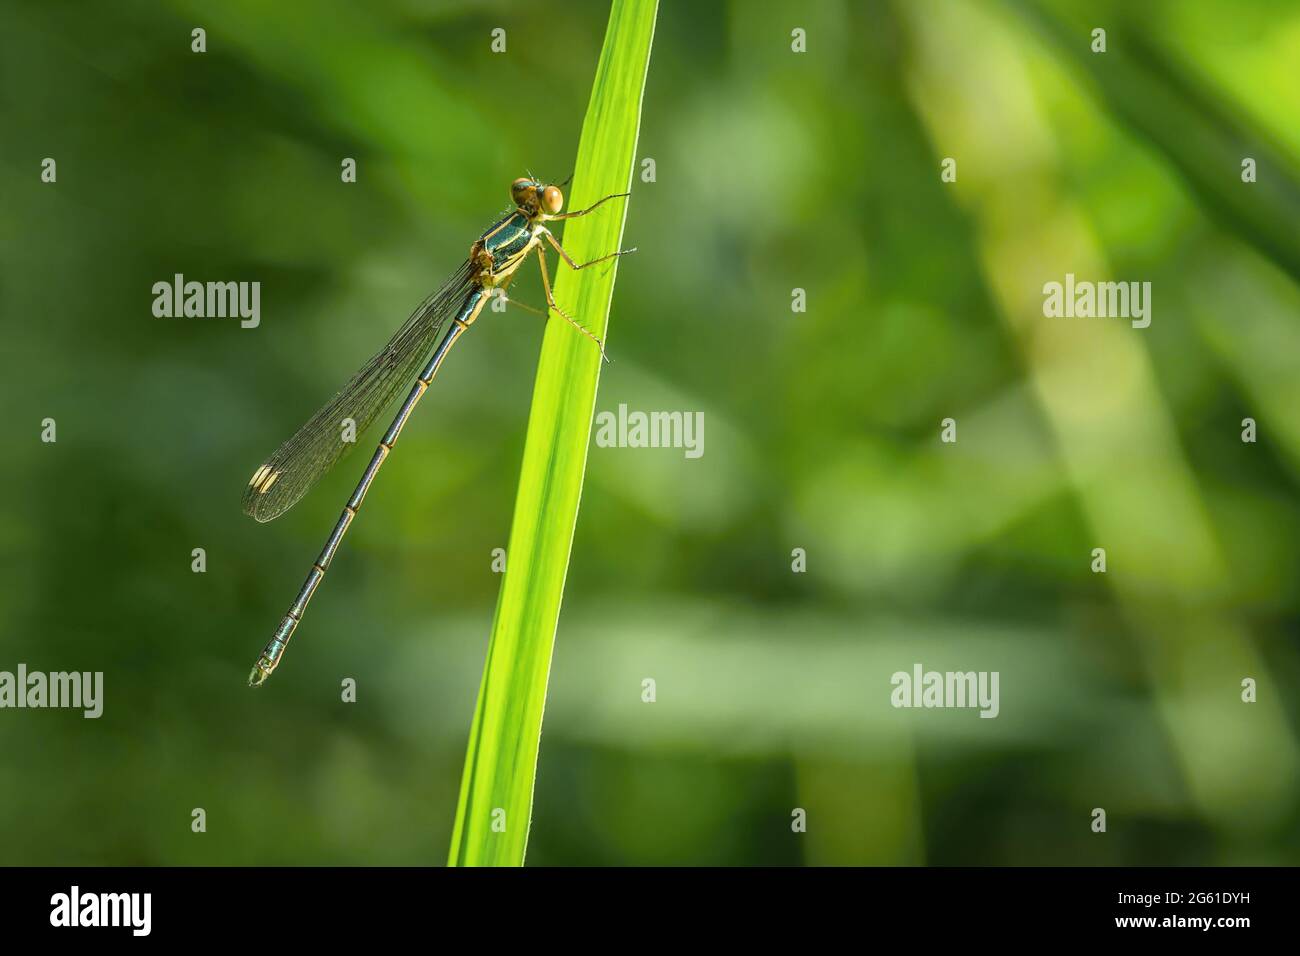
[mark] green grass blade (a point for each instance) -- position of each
(502, 758)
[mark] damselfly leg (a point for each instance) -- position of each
(546, 278)
(583, 212)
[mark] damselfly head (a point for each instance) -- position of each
(533, 196)
(552, 200)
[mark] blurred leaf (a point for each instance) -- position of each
(1190, 123)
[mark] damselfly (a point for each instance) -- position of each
(411, 358)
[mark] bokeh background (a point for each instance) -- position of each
(775, 170)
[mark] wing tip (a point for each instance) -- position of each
(255, 493)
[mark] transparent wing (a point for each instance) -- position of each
(318, 446)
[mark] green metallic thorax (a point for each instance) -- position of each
(501, 249)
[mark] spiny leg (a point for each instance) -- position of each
(501, 293)
(550, 300)
(583, 212)
(574, 265)
(523, 305)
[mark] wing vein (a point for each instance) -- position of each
(282, 480)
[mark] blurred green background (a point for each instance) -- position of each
(775, 170)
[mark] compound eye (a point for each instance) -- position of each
(552, 200)
(519, 189)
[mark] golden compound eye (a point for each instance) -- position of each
(552, 200)
(519, 190)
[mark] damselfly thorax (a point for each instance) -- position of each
(500, 251)
(412, 359)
